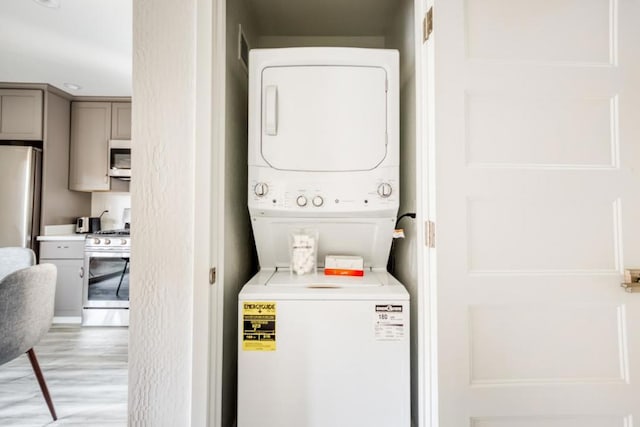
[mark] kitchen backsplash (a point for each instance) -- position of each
(115, 203)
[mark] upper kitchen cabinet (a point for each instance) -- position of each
(121, 120)
(21, 114)
(90, 134)
(59, 204)
(93, 124)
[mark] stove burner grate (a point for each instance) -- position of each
(120, 232)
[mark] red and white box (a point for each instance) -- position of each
(343, 265)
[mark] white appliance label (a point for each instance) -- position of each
(389, 322)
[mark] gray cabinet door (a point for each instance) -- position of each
(68, 287)
(21, 114)
(121, 120)
(90, 134)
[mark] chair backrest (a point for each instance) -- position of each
(13, 259)
(26, 308)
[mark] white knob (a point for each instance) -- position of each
(301, 201)
(107, 241)
(123, 241)
(318, 201)
(96, 241)
(384, 190)
(261, 189)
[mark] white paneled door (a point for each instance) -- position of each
(537, 133)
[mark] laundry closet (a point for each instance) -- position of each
(250, 24)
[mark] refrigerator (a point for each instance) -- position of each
(20, 179)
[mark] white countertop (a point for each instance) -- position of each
(61, 232)
(62, 237)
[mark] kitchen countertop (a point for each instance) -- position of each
(62, 237)
(60, 232)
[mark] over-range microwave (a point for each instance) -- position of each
(120, 158)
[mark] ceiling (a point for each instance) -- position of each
(83, 42)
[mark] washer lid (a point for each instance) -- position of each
(269, 285)
(324, 118)
(318, 280)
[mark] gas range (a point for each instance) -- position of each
(109, 240)
(106, 278)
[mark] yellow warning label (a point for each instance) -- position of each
(259, 326)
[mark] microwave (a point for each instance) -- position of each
(120, 158)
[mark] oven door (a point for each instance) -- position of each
(106, 280)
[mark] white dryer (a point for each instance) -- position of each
(318, 350)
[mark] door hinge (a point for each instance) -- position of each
(430, 234)
(427, 25)
(212, 275)
(631, 280)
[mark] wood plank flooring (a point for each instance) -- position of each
(86, 371)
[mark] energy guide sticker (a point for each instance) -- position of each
(259, 326)
(389, 322)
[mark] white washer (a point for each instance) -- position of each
(340, 353)
(318, 350)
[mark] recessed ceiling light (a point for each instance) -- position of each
(72, 86)
(54, 4)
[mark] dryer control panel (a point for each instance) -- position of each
(271, 193)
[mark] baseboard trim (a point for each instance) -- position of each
(67, 320)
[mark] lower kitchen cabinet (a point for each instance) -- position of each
(68, 287)
(68, 257)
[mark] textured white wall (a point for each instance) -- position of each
(162, 200)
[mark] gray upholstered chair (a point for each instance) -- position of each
(27, 294)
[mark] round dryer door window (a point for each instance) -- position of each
(324, 118)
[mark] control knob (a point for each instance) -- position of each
(123, 241)
(107, 241)
(301, 201)
(317, 201)
(384, 190)
(261, 189)
(96, 241)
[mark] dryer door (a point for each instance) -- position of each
(324, 118)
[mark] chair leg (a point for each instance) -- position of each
(41, 382)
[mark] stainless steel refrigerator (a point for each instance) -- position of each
(20, 177)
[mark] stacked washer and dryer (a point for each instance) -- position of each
(318, 350)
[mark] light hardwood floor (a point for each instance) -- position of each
(86, 372)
